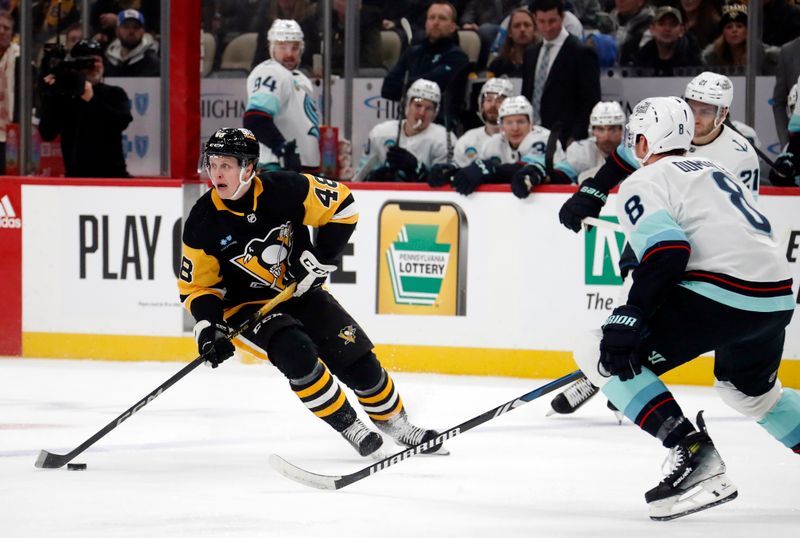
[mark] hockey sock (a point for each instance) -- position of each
(323, 396)
(646, 401)
(783, 420)
(381, 402)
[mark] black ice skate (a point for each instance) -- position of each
(573, 397)
(696, 480)
(406, 434)
(364, 440)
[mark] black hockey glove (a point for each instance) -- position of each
(504, 173)
(291, 159)
(587, 202)
(441, 174)
(622, 332)
(383, 174)
(213, 341)
(471, 177)
(401, 159)
(526, 179)
(309, 272)
(784, 172)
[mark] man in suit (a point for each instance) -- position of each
(788, 71)
(561, 76)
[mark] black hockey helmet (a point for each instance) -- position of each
(86, 48)
(234, 142)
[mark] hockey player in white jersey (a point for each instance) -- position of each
(710, 96)
(586, 156)
(281, 110)
(518, 149)
(491, 96)
(421, 143)
(711, 277)
(786, 172)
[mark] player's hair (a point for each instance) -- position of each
(453, 9)
(547, 5)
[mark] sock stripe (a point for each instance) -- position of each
(381, 395)
(321, 398)
(334, 407)
(384, 406)
(315, 386)
(654, 407)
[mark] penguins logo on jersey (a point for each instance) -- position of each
(265, 258)
(348, 334)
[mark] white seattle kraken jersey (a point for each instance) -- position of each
(468, 145)
(287, 97)
(735, 153)
(735, 258)
(584, 156)
(533, 145)
(429, 146)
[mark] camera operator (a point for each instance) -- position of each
(88, 114)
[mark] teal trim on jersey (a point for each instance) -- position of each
(631, 396)
(269, 167)
(783, 421)
(742, 302)
(794, 123)
(534, 159)
(264, 102)
(565, 167)
(627, 155)
(658, 227)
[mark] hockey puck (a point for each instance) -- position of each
(76, 466)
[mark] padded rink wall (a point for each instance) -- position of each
(483, 285)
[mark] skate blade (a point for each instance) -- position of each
(704, 495)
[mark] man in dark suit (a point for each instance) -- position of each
(561, 76)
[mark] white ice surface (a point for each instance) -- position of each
(194, 462)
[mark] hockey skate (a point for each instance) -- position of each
(364, 440)
(696, 479)
(573, 397)
(406, 434)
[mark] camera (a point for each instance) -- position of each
(69, 81)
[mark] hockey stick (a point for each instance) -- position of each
(49, 460)
(332, 482)
(600, 223)
(549, 155)
(761, 154)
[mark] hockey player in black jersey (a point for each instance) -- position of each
(245, 241)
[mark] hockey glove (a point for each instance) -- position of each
(622, 332)
(213, 341)
(587, 202)
(383, 174)
(289, 156)
(441, 174)
(401, 159)
(471, 177)
(783, 173)
(526, 179)
(310, 273)
(504, 173)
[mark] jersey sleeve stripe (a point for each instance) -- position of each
(624, 158)
(661, 247)
(347, 214)
(657, 228)
(264, 102)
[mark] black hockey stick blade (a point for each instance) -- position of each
(49, 460)
(335, 482)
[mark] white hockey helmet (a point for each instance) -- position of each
(666, 122)
(424, 89)
(500, 86)
(512, 106)
(711, 88)
(285, 30)
(791, 100)
(607, 113)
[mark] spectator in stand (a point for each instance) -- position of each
(787, 73)
(586, 11)
(561, 76)
(103, 17)
(729, 50)
(702, 20)
(781, 22)
(521, 34)
(414, 11)
(484, 17)
(133, 53)
(72, 35)
(669, 48)
(9, 80)
(302, 11)
(632, 19)
(369, 35)
(89, 116)
(438, 58)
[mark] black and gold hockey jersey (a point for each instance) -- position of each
(240, 252)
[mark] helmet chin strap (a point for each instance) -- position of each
(243, 183)
(720, 116)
